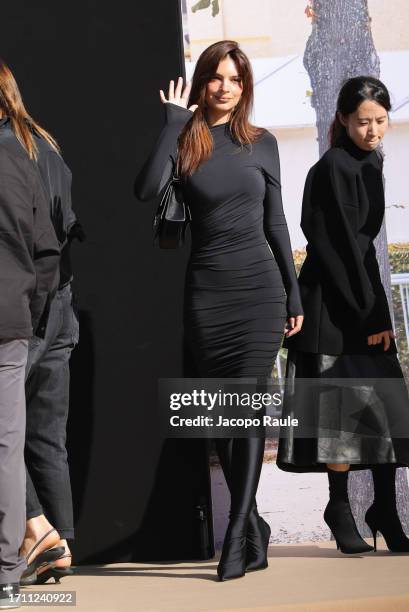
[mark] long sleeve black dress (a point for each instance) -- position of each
(240, 282)
(344, 302)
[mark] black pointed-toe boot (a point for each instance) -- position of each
(258, 538)
(232, 562)
(258, 530)
(246, 461)
(339, 517)
(382, 515)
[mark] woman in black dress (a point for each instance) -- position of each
(241, 285)
(348, 330)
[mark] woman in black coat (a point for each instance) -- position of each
(29, 260)
(347, 332)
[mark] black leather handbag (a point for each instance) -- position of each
(172, 216)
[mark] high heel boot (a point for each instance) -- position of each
(258, 538)
(258, 530)
(232, 562)
(247, 459)
(339, 517)
(383, 516)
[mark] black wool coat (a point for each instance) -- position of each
(342, 294)
(29, 249)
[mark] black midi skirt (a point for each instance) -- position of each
(350, 409)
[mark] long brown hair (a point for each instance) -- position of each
(195, 141)
(11, 104)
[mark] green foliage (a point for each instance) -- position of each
(399, 257)
(204, 4)
(399, 262)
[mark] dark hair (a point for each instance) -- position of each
(353, 92)
(195, 141)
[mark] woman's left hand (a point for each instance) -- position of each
(384, 337)
(293, 326)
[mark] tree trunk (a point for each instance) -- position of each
(340, 47)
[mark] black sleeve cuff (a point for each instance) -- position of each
(379, 319)
(294, 306)
(176, 115)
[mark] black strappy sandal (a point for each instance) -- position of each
(29, 575)
(54, 572)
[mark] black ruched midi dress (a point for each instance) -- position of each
(241, 283)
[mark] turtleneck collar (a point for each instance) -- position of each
(348, 144)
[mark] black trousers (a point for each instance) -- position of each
(47, 396)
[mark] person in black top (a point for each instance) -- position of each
(29, 256)
(348, 330)
(241, 285)
(49, 498)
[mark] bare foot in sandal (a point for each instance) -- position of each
(40, 536)
(58, 569)
(65, 559)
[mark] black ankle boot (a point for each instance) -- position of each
(258, 538)
(339, 517)
(383, 516)
(233, 559)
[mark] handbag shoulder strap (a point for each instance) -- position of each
(175, 174)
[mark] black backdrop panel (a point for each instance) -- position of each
(90, 73)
